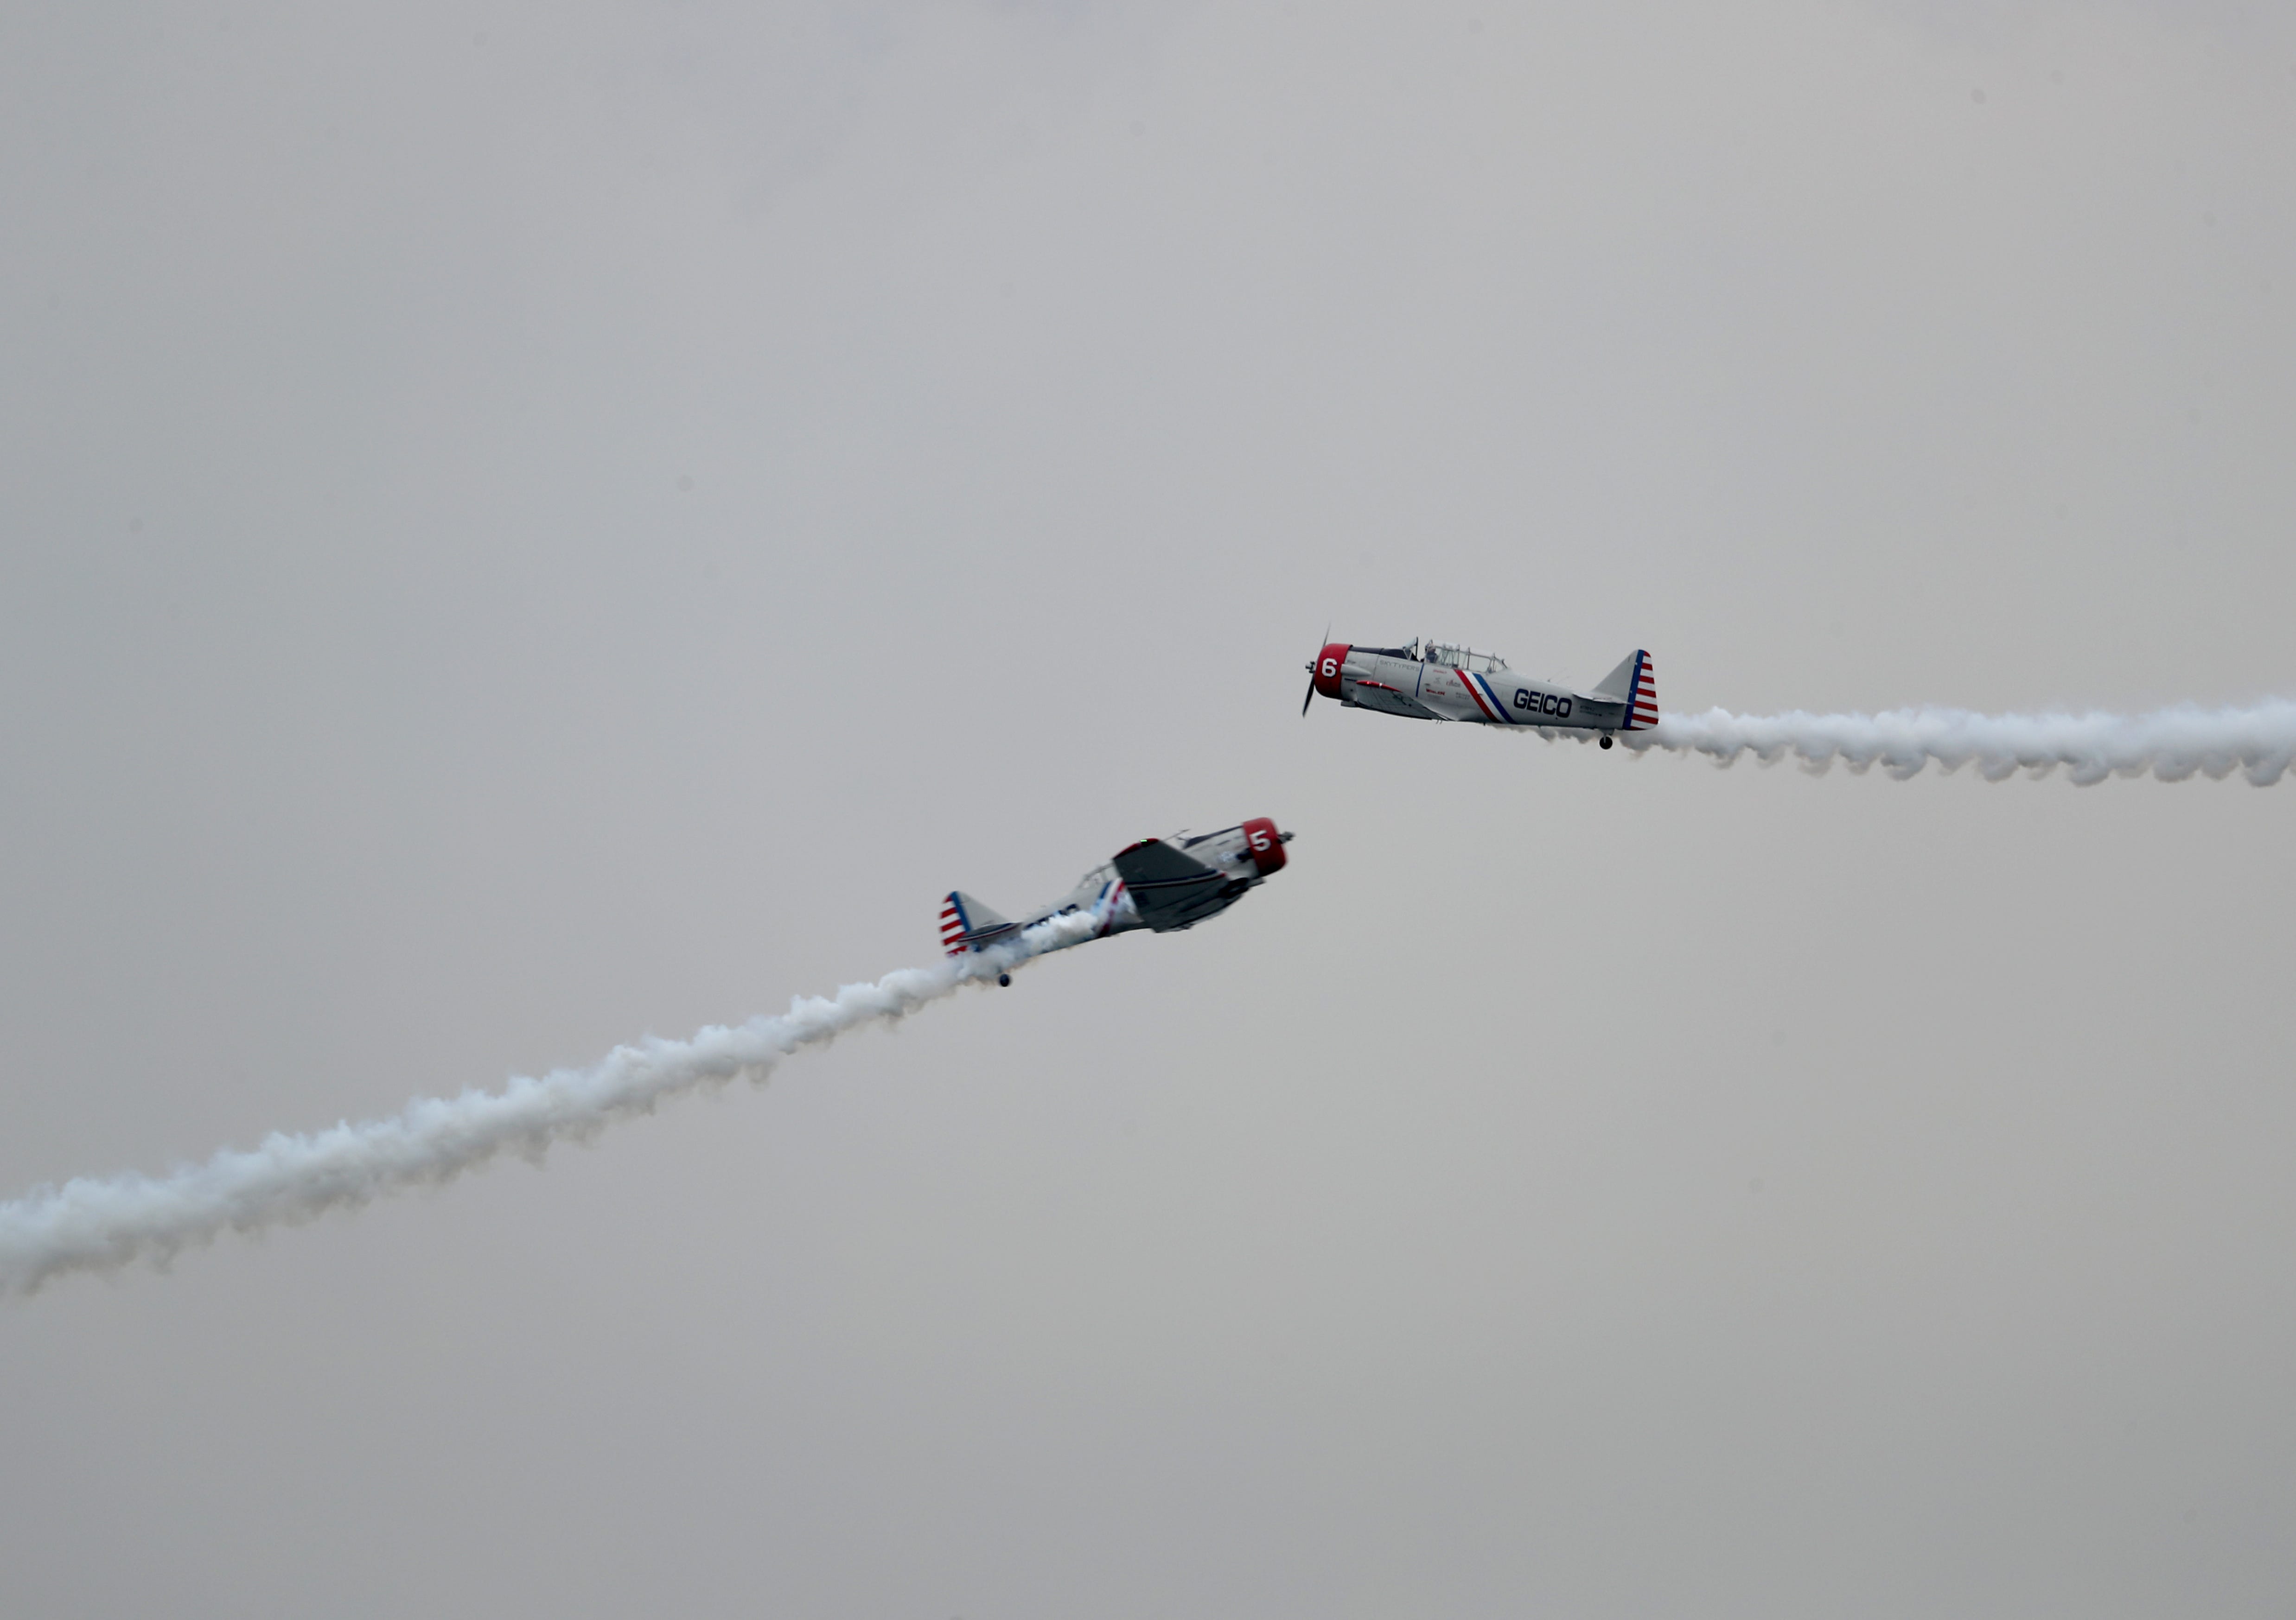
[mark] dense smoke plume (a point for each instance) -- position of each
(92, 1224)
(2258, 740)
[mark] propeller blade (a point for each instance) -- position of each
(1310, 698)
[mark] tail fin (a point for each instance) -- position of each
(967, 925)
(1633, 685)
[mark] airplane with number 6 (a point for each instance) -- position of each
(1435, 681)
(1161, 884)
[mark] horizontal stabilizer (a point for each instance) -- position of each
(967, 925)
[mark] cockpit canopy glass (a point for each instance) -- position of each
(1465, 657)
(1424, 651)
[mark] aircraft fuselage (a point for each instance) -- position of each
(1429, 681)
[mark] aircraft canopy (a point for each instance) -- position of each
(1470, 659)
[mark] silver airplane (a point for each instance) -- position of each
(1159, 884)
(1435, 681)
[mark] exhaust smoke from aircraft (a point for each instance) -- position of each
(91, 1225)
(1430, 679)
(2258, 740)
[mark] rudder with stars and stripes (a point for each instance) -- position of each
(1641, 703)
(967, 925)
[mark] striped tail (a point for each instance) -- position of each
(1641, 711)
(967, 925)
(1632, 685)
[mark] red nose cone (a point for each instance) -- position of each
(1329, 662)
(1266, 845)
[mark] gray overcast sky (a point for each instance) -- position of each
(525, 526)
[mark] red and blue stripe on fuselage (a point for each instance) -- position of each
(1485, 699)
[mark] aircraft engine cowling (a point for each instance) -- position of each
(1329, 662)
(1263, 842)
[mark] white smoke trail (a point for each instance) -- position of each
(91, 1225)
(2170, 743)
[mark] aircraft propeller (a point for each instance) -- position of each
(1310, 698)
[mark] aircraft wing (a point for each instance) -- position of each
(1388, 699)
(1168, 889)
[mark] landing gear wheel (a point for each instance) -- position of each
(1606, 742)
(1003, 978)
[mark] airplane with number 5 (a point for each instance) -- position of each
(1435, 681)
(1159, 884)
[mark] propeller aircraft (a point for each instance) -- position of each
(1163, 884)
(1436, 681)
